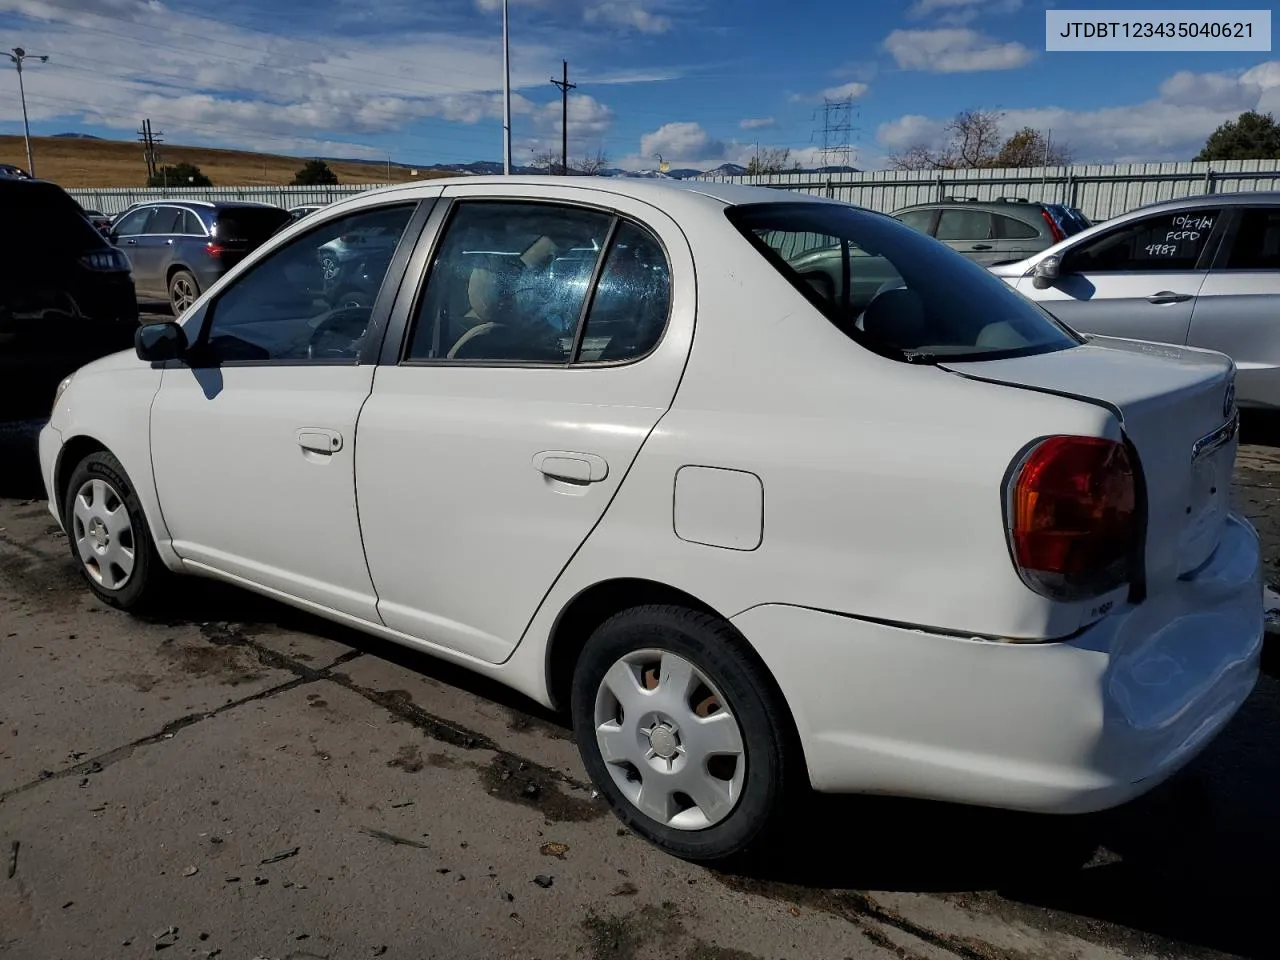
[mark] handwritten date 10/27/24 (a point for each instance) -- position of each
(1187, 228)
(1168, 29)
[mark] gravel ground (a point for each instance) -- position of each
(243, 781)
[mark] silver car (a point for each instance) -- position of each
(1201, 271)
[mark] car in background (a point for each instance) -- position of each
(66, 297)
(180, 248)
(900, 533)
(100, 221)
(1200, 272)
(12, 172)
(303, 210)
(997, 231)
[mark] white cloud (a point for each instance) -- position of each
(627, 13)
(681, 144)
(757, 123)
(954, 51)
(960, 11)
(1171, 126)
(845, 91)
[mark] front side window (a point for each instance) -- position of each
(964, 225)
(134, 224)
(1257, 242)
(508, 283)
(917, 219)
(892, 289)
(309, 300)
(1164, 242)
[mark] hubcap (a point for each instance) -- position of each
(183, 294)
(669, 740)
(103, 534)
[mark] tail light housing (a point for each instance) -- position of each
(1074, 517)
(105, 261)
(214, 249)
(1054, 229)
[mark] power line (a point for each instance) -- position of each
(565, 86)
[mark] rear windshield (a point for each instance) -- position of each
(1068, 220)
(42, 217)
(895, 290)
(249, 225)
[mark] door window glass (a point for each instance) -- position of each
(917, 219)
(1165, 242)
(629, 310)
(309, 300)
(964, 225)
(1010, 229)
(133, 224)
(1257, 242)
(166, 220)
(508, 283)
(191, 225)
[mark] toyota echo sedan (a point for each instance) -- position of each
(766, 493)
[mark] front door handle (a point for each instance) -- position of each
(1168, 296)
(981, 246)
(319, 440)
(571, 467)
(131, 242)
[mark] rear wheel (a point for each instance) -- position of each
(108, 533)
(682, 732)
(183, 291)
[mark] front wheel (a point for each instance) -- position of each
(108, 533)
(682, 732)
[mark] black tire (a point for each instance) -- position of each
(148, 574)
(183, 291)
(771, 784)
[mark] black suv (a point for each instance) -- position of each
(66, 296)
(178, 248)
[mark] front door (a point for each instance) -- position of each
(253, 440)
(1139, 280)
(135, 237)
(496, 438)
(1238, 305)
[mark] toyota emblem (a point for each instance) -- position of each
(1229, 401)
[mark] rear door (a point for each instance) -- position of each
(1239, 303)
(968, 232)
(503, 422)
(1138, 280)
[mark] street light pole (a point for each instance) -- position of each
(18, 55)
(506, 94)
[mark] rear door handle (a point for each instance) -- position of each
(571, 467)
(1168, 296)
(131, 242)
(981, 246)
(319, 440)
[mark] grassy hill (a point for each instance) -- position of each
(74, 162)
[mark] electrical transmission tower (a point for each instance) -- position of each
(837, 133)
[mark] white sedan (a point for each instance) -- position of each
(767, 492)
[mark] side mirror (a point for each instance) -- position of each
(158, 342)
(1046, 272)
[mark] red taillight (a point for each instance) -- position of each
(1054, 229)
(1074, 517)
(214, 249)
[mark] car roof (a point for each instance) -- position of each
(205, 204)
(1240, 198)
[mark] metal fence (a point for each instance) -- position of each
(1101, 192)
(112, 200)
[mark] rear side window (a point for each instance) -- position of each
(629, 310)
(1257, 241)
(894, 290)
(1163, 242)
(166, 220)
(917, 219)
(964, 225)
(191, 225)
(249, 224)
(1007, 228)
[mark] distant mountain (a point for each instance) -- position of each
(726, 170)
(76, 136)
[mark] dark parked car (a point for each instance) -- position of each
(179, 248)
(66, 296)
(997, 231)
(100, 220)
(14, 173)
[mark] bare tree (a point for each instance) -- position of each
(771, 160)
(918, 157)
(591, 164)
(548, 161)
(1031, 148)
(975, 138)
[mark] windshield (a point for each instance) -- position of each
(895, 290)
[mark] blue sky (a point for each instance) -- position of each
(698, 81)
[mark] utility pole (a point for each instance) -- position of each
(506, 93)
(18, 56)
(150, 153)
(565, 86)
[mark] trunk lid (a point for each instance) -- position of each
(1177, 407)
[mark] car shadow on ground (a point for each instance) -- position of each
(19, 460)
(1180, 872)
(1261, 427)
